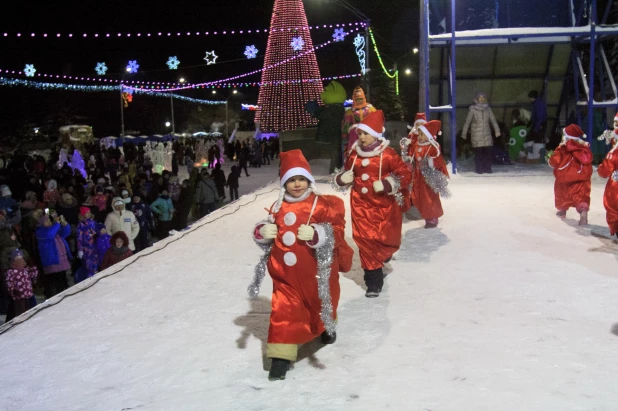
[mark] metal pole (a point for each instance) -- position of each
(593, 21)
(367, 60)
(172, 104)
(453, 92)
(121, 115)
(227, 131)
(423, 72)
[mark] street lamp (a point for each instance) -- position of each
(415, 50)
(214, 92)
(227, 127)
(408, 72)
(367, 21)
(167, 124)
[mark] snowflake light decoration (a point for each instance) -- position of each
(359, 41)
(29, 70)
(339, 34)
(101, 69)
(297, 43)
(211, 58)
(251, 52)
(173, 63)
(132, 66)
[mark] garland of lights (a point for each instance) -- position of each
(157, 85)
(396, 75)
(170, 34)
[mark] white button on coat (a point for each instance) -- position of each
(289, 219)
(289, 238)
(365, 162)
(364, 190)
(290, 259)
(365, 177)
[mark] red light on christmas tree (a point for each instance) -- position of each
(282, 105)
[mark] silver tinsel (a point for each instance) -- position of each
(260, 270)
(324, 256)
(607, 135)
(333, 182)
(436, 180)
(396, 189)
(615, 176)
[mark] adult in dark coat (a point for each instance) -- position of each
(183, 207)
(219, 178)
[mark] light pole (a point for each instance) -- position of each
(227, 122)
(367, 21)
(182, 80)
(127, 70)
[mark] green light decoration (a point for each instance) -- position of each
(396, 75)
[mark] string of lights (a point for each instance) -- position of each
(387, 72)
(158, 85)
(166, 34)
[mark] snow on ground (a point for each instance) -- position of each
(503, 307)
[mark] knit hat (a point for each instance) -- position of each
(293, 163)
(5, 191)
(373, 124)
(125, 191)
(573, 132)
(83, 210)
(479, 95)
(15, 254)
(98, 189)
(52, 184)
(117, 201)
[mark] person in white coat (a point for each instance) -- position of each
(122, 220)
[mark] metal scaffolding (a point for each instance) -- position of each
(576, 35)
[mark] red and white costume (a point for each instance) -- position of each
(572, 164)
(293, 265)
(609, 169)
(405, 142)
(423, 197)
(376, 216)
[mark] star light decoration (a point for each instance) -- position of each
(339, 34)
(173, 63)
(297, 43)
(29, 70)
(101, 69)
(132, 66)
(211, 58)
(251, 52)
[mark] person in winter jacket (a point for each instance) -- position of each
(101, 242)
(183, 206)
(164, 210)
(51, 196)
(19, 279)
(538, 117)
(480, 120)
(609, 169)
(173, 188)
(572, 164)
(118, 251)
(8, 203)
(100, 202)
(122, 220)
(218, 176)
(424, 155)
(301, 224)
(206, 195)
(86, 234)
(232, 183)
(144, 218)
(9, 242)
(54, 252)
(379, 180)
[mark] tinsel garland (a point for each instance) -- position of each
(259, 271)
(333, 182)
(615, 176)
(607, 135)
(404, 143)
(324, 256)
(397, 189)
(436, 180)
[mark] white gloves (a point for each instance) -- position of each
(80, 254)
(305, 232)
(268, 231)
(378, 186)
(347, 177)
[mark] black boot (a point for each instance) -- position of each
(374, 280)
(278, 369)
(327, 338)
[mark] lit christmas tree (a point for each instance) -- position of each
(286, 87)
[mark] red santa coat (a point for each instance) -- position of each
(608, 167)
(572, 164)
(423, 197)
(296, 306)
(376, 217)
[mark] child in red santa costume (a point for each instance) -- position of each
(405, 142)
(430, 176)
(378, 177)
(609, 169)
(305, 249)
(572, 164)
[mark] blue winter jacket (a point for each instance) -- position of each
(142, 213)
(163, 208)
(47, 245)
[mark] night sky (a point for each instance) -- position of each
(394, 22)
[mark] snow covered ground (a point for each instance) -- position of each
(503, 307)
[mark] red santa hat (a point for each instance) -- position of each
(83, 210)
(420, 118)
(431, 129)
(294, 163)
(373, 124)
(573, 132)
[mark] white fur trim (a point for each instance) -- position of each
(296, 171)
(391, 181)
(289, 199)
(370, 131)
(321, 235)
(424, 130)
(367, 154)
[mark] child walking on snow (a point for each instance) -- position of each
(380, 181)
(305, 249)
(572, 164)
(609, 169)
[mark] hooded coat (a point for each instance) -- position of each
(115, 255)
(123, 220)
(572, 164)
(478, 121)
